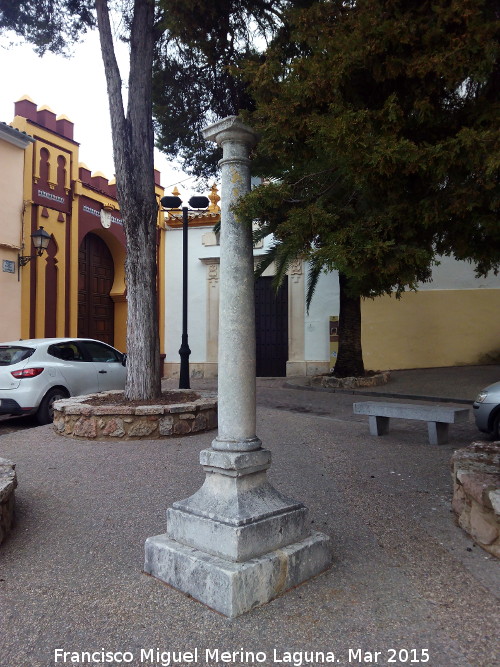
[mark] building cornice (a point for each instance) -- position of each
(15, 137)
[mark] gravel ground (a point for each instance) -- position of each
(406, 582)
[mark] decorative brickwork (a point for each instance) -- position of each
(76, 418)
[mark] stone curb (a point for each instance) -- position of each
(73, 417)
(382, 394)
(331, 382)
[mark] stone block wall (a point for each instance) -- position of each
(76, 418)
(8, 483)
(476, 493)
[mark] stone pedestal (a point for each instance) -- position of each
(237, 542)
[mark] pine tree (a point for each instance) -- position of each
(379, 144)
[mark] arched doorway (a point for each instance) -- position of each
(95, 280)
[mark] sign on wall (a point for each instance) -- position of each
(334, 340)
(8, 266)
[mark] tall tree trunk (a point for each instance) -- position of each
(350, 355)
(133, 148)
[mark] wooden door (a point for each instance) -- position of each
(95, 280)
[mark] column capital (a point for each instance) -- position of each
(231, 128)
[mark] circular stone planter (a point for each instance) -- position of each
(330, 382)
(76, 417)
(8, 484)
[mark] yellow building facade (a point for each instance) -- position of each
(77, 287)
(13, 146)
(432, 328)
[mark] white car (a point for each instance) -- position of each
(35, 373)
(487, 410)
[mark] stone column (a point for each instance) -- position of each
(237, 542)
(236, 297)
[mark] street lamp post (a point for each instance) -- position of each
(184, 350)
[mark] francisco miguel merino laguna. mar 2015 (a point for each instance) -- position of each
(160, 658)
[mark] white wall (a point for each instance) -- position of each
(447, 275)
(197, 293)
(452, 274)
(324, 304)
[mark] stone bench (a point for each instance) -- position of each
(8, 483)
(438, 417)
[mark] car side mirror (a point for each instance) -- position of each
(124, 359)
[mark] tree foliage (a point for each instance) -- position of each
(49, 25)
(379, 138)
(194, 82)
(378, 122)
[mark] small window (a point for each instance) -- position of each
(13, 354)
(101, 352)
(66, 352)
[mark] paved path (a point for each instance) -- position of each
(404, 577)
(459, 383)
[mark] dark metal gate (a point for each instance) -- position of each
(271, 328)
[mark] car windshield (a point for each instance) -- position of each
(13, 354)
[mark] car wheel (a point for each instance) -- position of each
(45, 413)
(496, 427)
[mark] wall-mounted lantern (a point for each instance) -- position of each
(40, 240)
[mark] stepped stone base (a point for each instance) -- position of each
(237, 542)
(476, 493)
(234, 588)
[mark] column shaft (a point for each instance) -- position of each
(236, 359)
